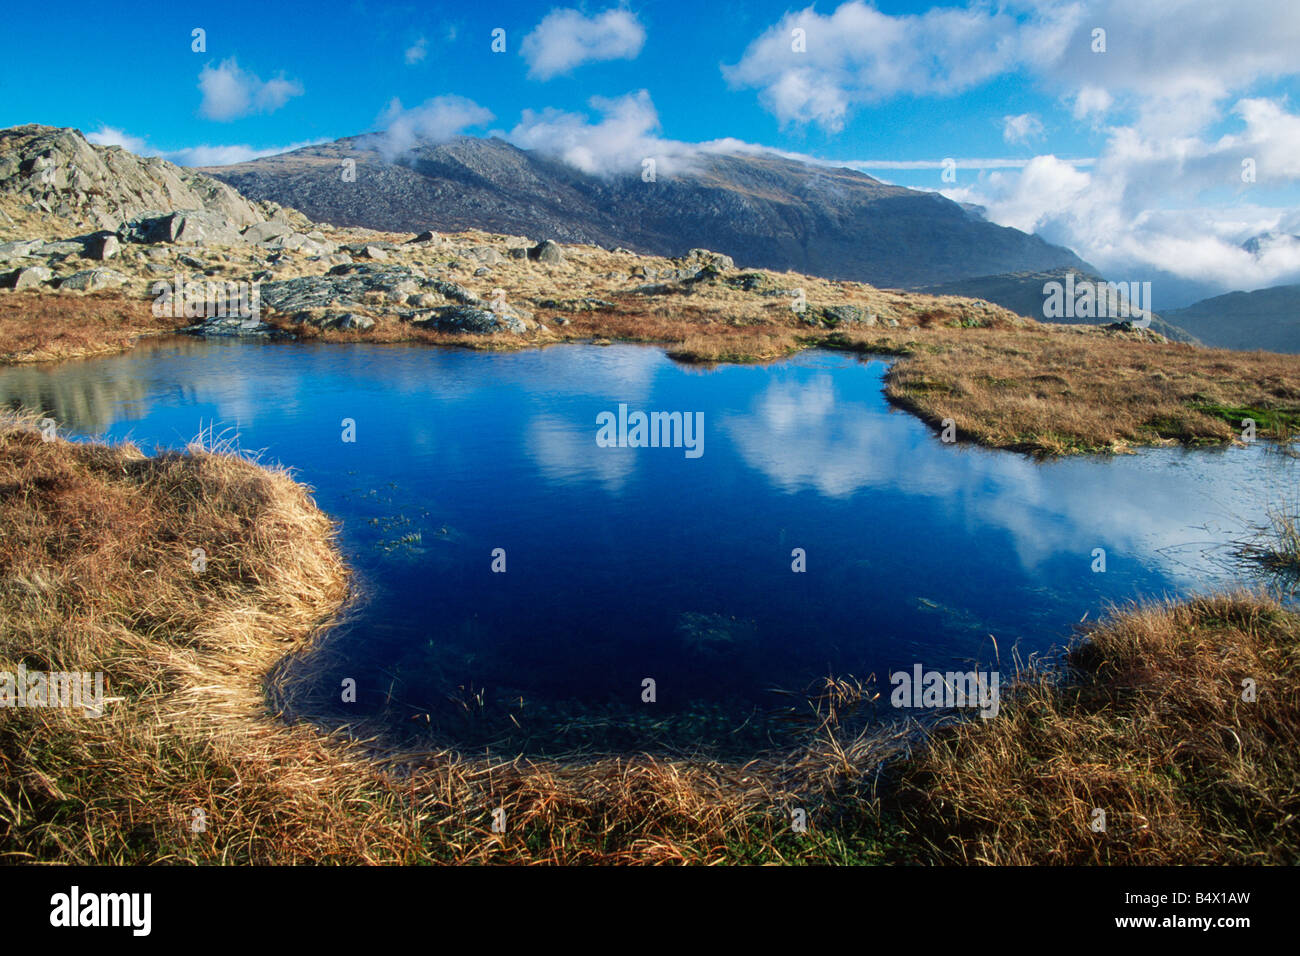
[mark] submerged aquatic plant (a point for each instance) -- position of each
(1274, 546)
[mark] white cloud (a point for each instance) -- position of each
(436, 120)
(858, 55)
(111, 136)
(1023, 128)
(230, 92)
(1162, 197)
(619, 142)
(1173, 58)
(191, 155)
(1141, 208)
(1091, 101)
(565, 39)
(416, 52)
(207, 155)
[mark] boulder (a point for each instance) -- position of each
(262, 231)
(351, 321)
(715, 259)
(846, 315)
(188, 226)
(233, 325)
(103, 247)
(88, 280)
(487, 255)
(469, 319)
(31, 277)
(20, 248)
(547, 251)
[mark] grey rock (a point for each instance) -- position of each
(715, 259)
(468, 319)
(233, 325)
(346, 286)
(547, 251)
(103, 247)
(186, 226)
(88, 280)
(20, 248)
(262, 231)
(63, 247)
(846, 315)
(297, 242)
(31, 277)
(353, 322)
(98, 187)
(486, 255)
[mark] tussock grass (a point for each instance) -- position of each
(1151, 728)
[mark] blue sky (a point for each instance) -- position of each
(349, 59)
(1130, 154)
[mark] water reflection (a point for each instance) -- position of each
(625, 563)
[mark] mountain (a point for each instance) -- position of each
(1265, 319)
(1022, 293)
(762, 209)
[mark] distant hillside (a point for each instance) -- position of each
(1265, 319)
(1022, 293)
(763, 210)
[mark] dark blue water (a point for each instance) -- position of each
(630, 563)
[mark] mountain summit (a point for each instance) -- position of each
(762, 209)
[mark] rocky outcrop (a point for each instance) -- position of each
(184, 226)
(47, 171)
(472, 320)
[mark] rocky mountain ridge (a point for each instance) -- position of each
(764, 210)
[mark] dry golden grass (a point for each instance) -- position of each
(1061, 389)
(38, 327)
(1154, 731)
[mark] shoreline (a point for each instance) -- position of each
(1047, 391)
